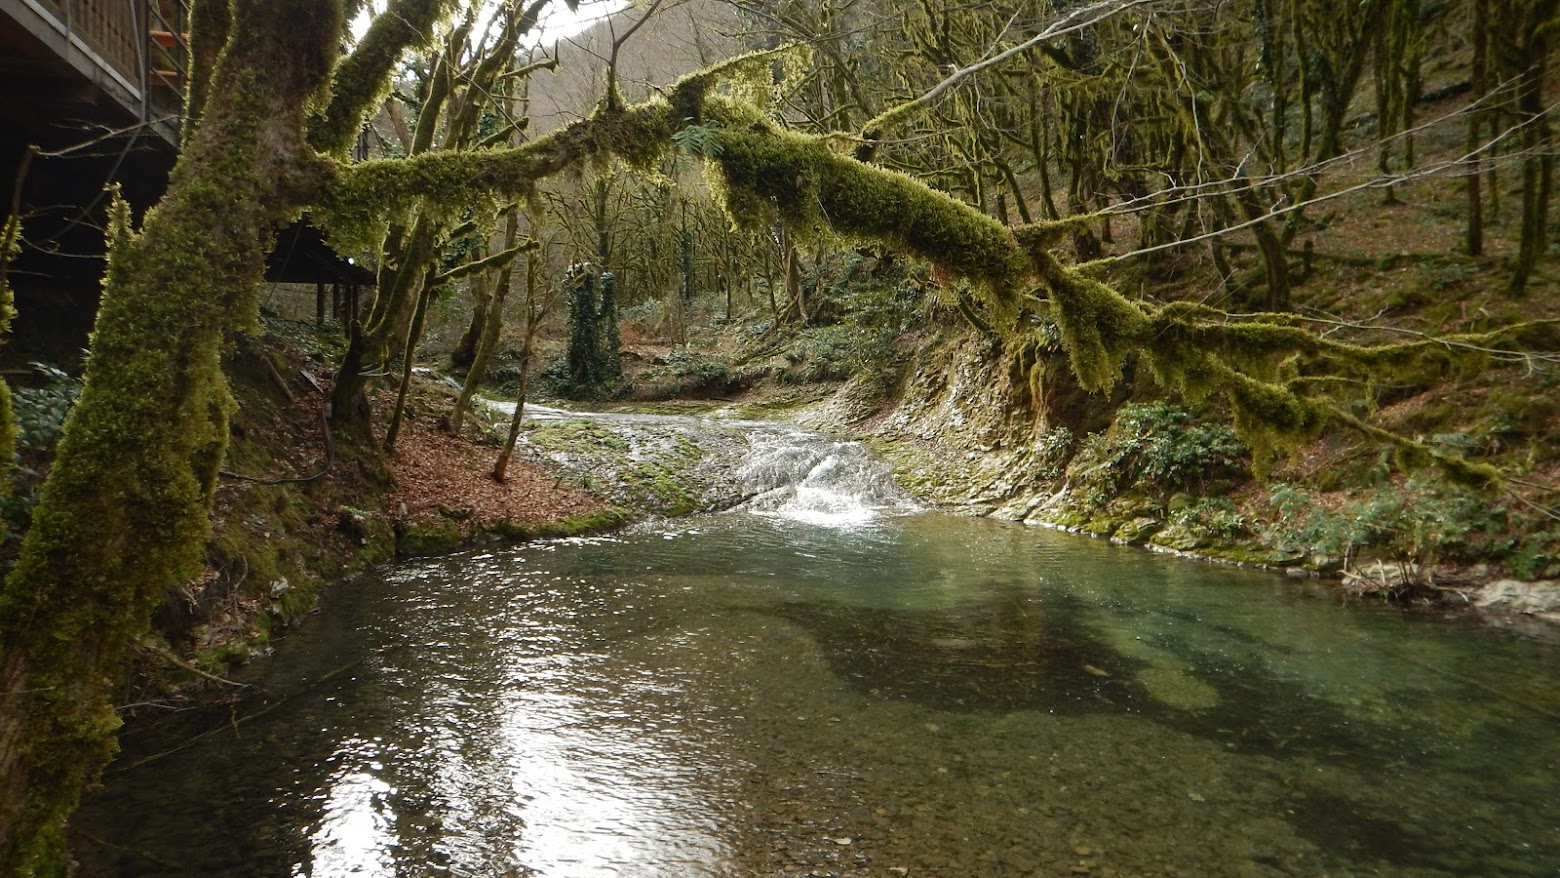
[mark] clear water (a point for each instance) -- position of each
(767, 693)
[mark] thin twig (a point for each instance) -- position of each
(237, 721)
(330, 461)
(1076, 20)
(168, 656)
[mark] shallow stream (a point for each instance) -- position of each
(818, 686)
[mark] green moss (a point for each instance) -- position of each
(661, 488)
(1099, 328)
(361, 80)
(362, 196)
(766, 172)
(414, 539)
(1140, 529)
(374, 533)
(124, 513)
(567, 435)
(10, 246)
(578, 525)
(218, 659)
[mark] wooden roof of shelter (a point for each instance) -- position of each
(91, 94)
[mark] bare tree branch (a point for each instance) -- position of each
(1078, 19)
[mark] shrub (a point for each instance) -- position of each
(1053, 450)
(40, 411)
(40, 417)
(1537, 555)
(1212, 518)
(1161, 449)
(1424, 521)
(695, 370)
(819, 354)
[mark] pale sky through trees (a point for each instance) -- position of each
(561, 22)
(557, 23)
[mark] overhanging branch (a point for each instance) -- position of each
(361, 79)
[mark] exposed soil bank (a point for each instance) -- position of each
(295, 511)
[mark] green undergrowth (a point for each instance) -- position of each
(39, 405)
(1175, 475)
(686, 373)
(1162, 476)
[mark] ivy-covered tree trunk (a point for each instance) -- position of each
(584, 353)
(611, 341)
(123, 515)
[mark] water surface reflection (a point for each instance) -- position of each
(754, 695)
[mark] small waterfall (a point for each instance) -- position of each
(762, 467)
(807, 477)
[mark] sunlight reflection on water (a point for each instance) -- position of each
(733, 695)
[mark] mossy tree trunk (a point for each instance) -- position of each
(10, 244)
(492, 322)
(457, 96)
(124, 512)
(1527, 48)
(466, 348)
(414, 331)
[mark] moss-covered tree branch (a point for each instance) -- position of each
(360, 81)
(1255, 361)
(494, 262)
(358, 200)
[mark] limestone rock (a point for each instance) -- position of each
(1540, 598)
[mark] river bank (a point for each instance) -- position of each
(295, 512)
(952, 424)
(743, 695)
(967, 434)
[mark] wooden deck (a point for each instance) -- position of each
(133, 52)
(91, 95)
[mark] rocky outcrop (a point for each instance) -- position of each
(1539, 599)
(974, 427)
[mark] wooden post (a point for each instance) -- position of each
(319, 303)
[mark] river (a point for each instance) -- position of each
(829, 682)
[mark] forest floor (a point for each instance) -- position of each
(291, 516)
(441, 477)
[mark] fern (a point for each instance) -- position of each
(698, 140)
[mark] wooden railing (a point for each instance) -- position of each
(168, 46)
(142, 44)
